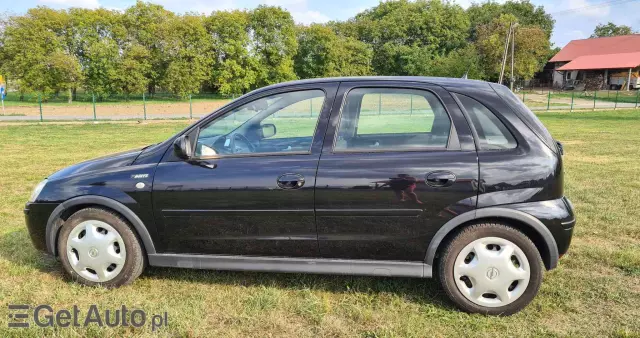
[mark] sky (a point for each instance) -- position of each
(575, 19)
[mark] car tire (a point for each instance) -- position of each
(479, 262)
(97, 247)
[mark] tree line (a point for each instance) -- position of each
(147, 48)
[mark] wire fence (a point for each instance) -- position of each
(580, 100)
(85, 106)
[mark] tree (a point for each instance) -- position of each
(96, 38)
(234, 68)
(322, 53)
(187, 53)
(274, 44)
(64, 73)
(101, 69)
(35, 52)
(131, 71)
(459, 62)
(406, 35)
(611, 29)
(531, 42)
(526, 13)
(145, 24)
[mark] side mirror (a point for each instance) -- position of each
(182, 147)
(268, 130)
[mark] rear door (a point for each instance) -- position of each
(398, 162)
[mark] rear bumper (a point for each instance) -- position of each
(36, 217)
(557, 215)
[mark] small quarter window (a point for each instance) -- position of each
(375, 119)
(492, 133)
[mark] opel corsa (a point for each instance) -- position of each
(382, 176)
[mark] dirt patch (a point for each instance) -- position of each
(134, 110)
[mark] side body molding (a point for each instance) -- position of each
(53, 225)
(520, 216)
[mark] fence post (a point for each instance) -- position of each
(190, 108)
(548, 100)
(637, 94)
(379, 103)
(595, 95)
(40, 104)
(144, 105)
(616, 104)
(310, 107)
(572, 94)
(93, 102)
(411, 107)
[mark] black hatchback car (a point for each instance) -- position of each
(383, 176)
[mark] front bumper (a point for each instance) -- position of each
(36, 217)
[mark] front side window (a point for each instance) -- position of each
(279, 123)
(392, 119)
(492, 133)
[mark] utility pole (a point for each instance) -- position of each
(513, 52)
(504, 55)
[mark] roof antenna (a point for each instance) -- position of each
(466, 74)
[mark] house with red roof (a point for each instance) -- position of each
(616, 60)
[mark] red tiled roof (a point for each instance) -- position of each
(598, 46)
(606, 61)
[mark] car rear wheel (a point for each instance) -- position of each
(490, 268)
(98, 247)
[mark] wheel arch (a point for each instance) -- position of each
(68, 207)
(529, 225)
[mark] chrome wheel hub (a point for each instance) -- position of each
(96, 251)
(491, 272)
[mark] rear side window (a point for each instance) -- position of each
(392, 119)
(492, 133)
(525, 114)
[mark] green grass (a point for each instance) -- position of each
(595, 291)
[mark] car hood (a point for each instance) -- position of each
(117, 160)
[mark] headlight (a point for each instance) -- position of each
(37, 190)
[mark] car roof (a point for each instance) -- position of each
(439, 81)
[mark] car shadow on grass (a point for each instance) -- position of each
(16, 247)
(416, 290)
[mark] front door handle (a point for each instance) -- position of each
(291, 181)
(440, 178)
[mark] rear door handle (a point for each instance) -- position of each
(291, 181)
(440, 178)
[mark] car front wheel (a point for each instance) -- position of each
(490, 268)
(98, 247)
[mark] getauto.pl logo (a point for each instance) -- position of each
(45, 316)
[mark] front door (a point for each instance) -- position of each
(398, 162)
(249, 188)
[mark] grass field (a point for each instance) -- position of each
(595, 291)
